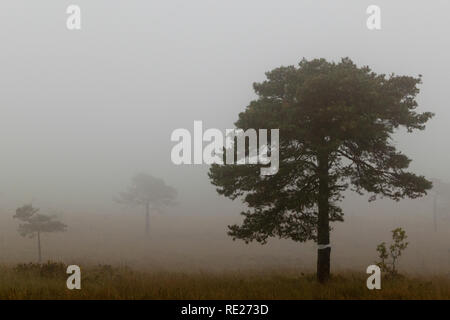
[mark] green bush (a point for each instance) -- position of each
(389, 259)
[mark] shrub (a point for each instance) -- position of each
(389, 259)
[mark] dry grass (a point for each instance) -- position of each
(106, 282)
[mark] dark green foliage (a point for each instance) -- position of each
(336, 122)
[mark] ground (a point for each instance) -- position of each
(31, 281)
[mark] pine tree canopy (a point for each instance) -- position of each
(336, 123)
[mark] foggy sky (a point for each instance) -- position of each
(82, 111)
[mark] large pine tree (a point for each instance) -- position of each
(336, 122)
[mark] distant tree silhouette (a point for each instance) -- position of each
(149, 192)
(441, 190)
(36, 223)
(335, 123)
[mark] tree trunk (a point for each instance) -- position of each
(323, 225)
(147, 218)
(39, 246)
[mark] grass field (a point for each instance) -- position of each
(31, 281)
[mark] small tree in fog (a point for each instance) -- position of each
(36, 223)
(389, 257)
(149, 192)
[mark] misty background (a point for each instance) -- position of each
(83, 111)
